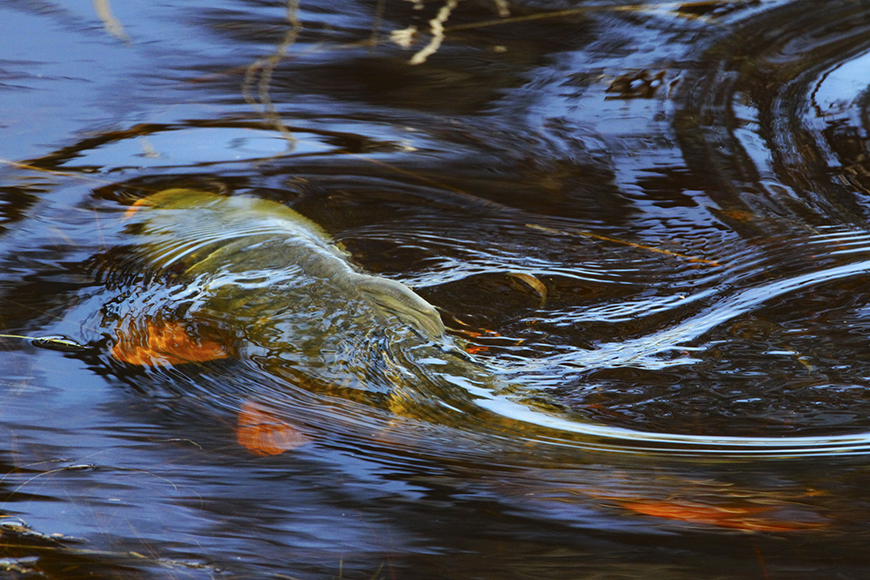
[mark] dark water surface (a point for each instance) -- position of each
(648, 222)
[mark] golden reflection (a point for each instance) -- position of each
(168, 343)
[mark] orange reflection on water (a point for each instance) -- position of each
(746, 517)
(165, 344)
(261, 433)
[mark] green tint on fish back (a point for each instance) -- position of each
(266, 283)
(199, 241)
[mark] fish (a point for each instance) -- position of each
(240, 233)
(235, 277)
(240, 277)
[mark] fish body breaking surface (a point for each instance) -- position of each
(246, 278)
(237, 276)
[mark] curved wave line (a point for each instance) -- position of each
(641, 352)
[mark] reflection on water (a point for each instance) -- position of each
(644, 224)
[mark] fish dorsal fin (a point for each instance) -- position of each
(395, 298)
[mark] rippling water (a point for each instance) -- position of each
(646, 224)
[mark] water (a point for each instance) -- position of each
(648, 222)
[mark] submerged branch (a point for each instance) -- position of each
(112, 25)
(436, 26)
(265, 66)
(587, 234)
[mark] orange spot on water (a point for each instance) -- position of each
(735, 517)
(739, 215)
(164, 345)
(474, 349)
(261, 433)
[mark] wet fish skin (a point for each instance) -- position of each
(208, 276)
(292, 304)
(262, 222)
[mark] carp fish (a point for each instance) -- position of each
(246, 278)
(219, 277)
(238, 277)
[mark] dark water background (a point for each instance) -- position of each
(690, 182)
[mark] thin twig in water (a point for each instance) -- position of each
(112, 25)
(587, 234)
(436, 27)
(584, 9)
(266, 66)
(376, 25)
(28, 167)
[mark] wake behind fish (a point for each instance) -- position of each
(682, 344)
